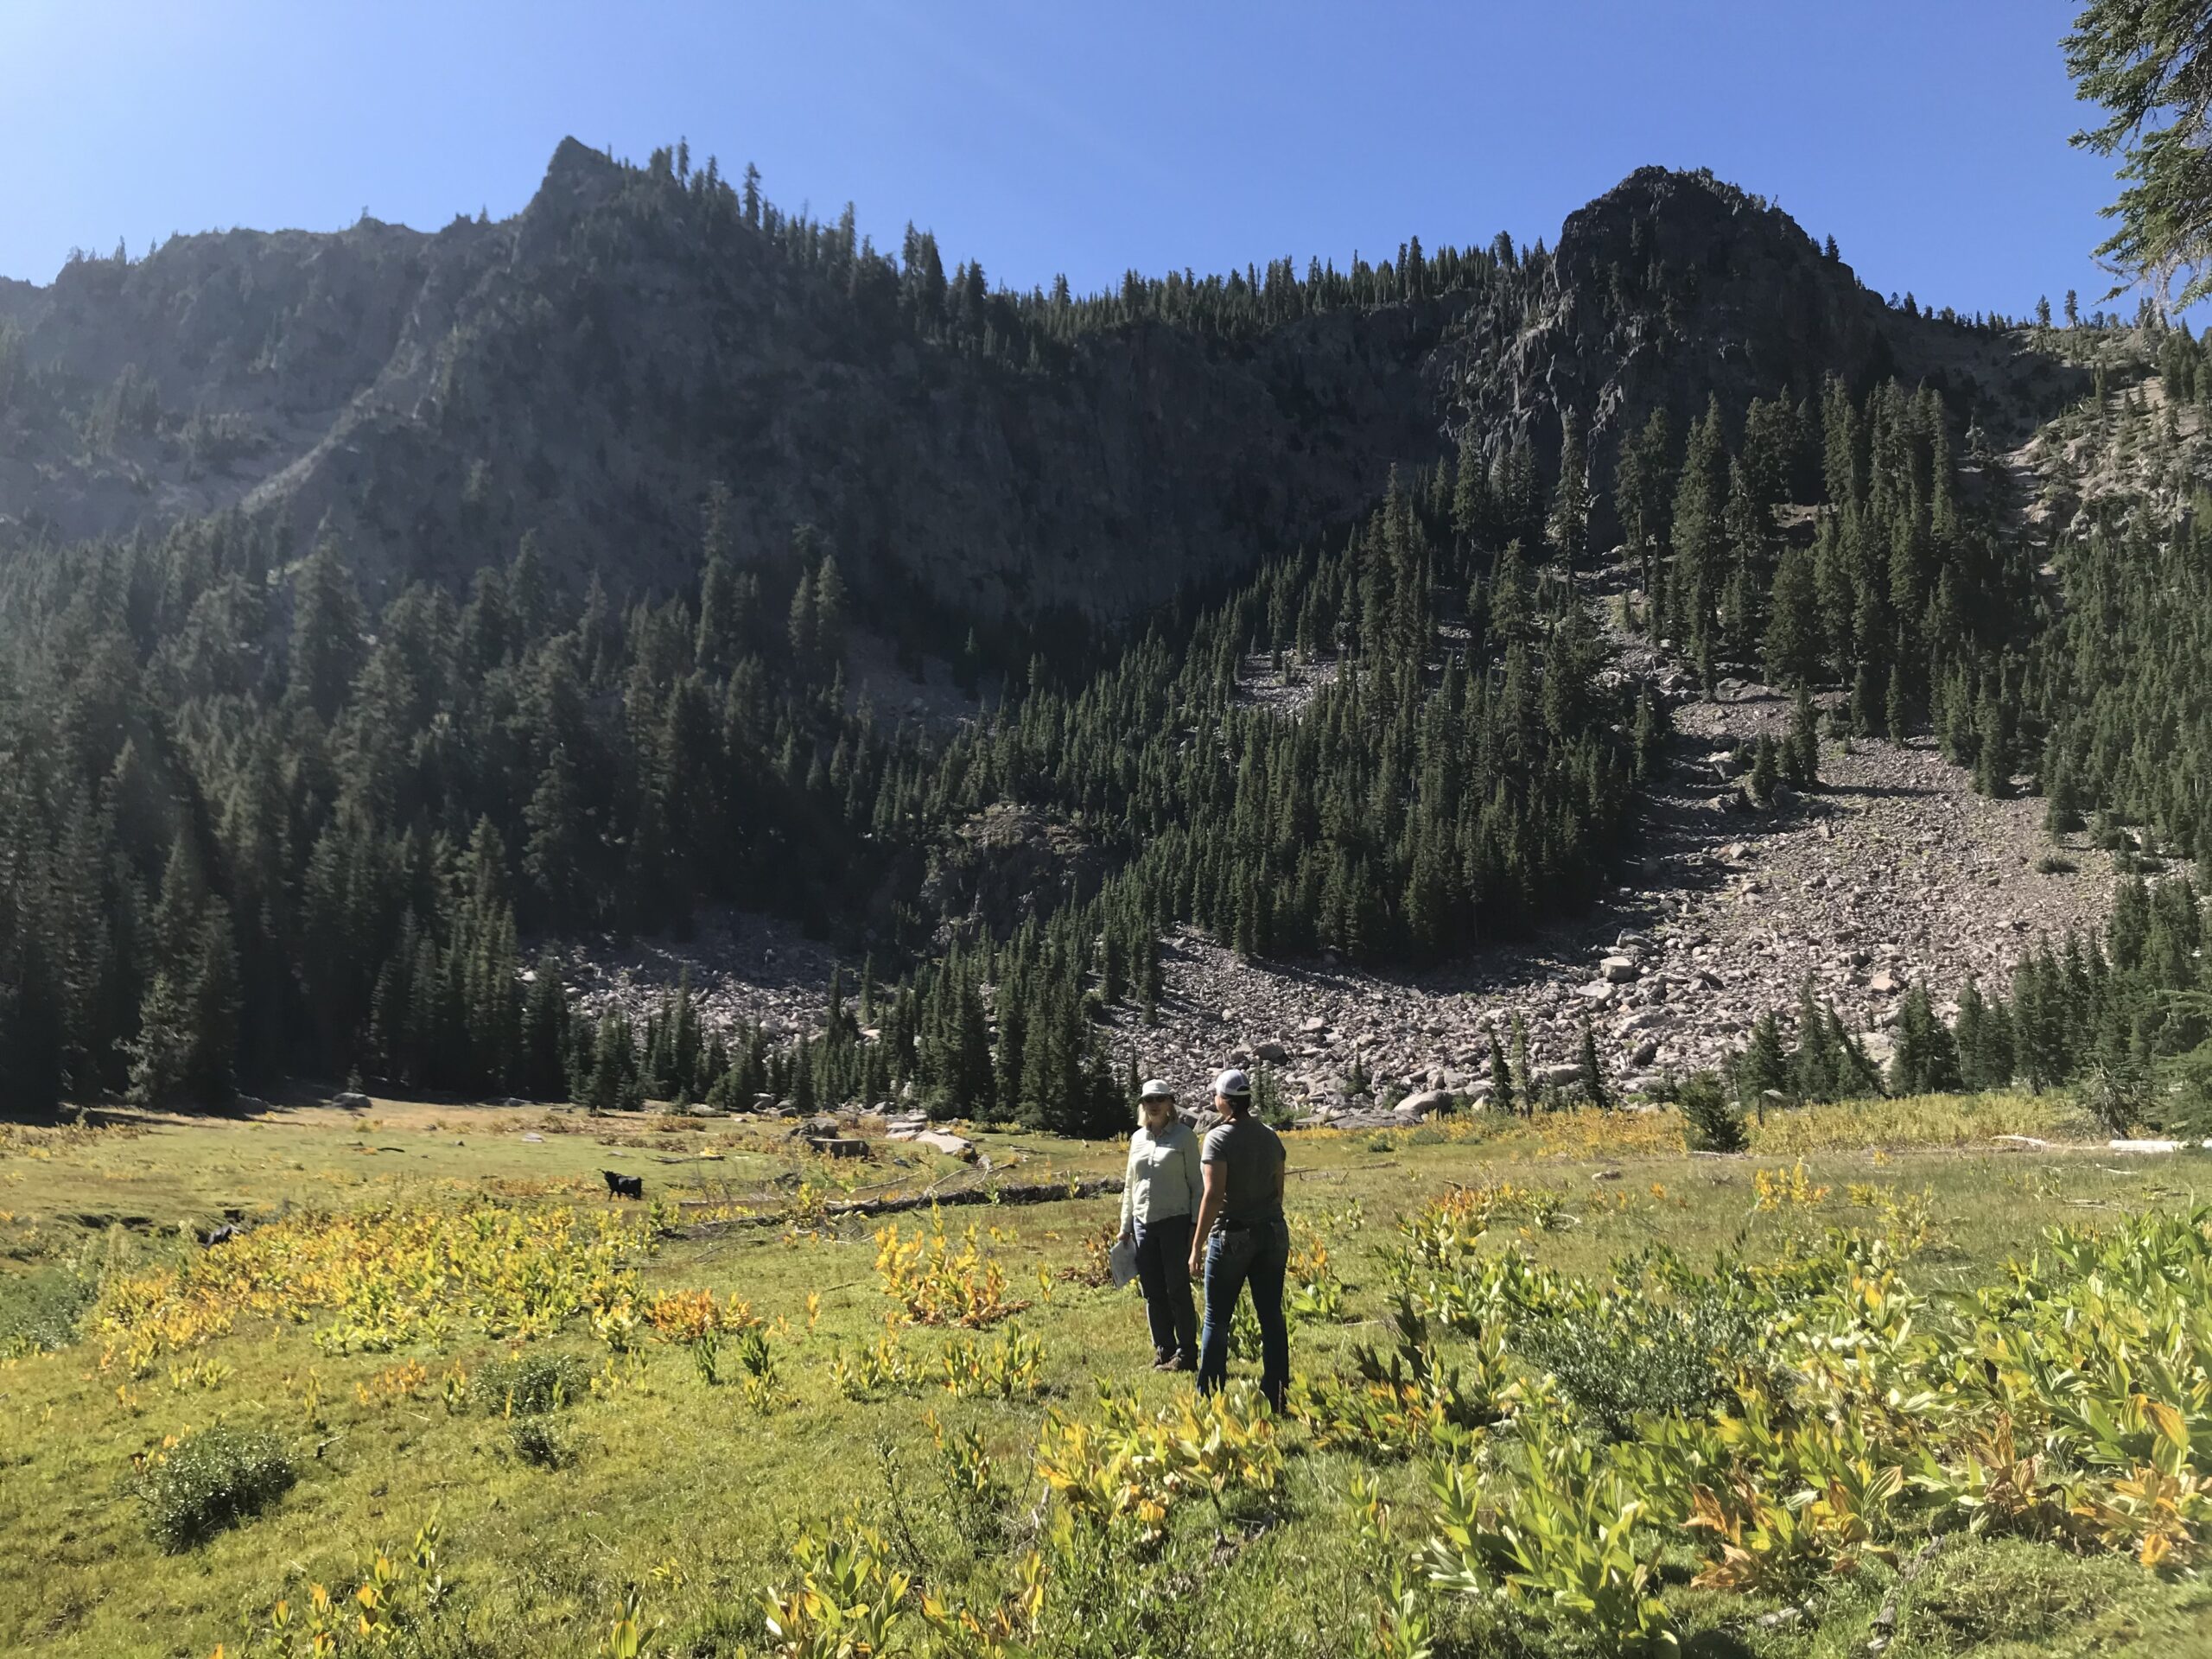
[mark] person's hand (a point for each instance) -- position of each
(1195, 1270)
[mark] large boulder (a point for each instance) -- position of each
(953, 1146)
(1425, 1103)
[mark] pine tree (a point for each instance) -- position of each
(1524, 1083)
(544, 1031)
(1896, 707)
(1699, 539)
(1650, 734)
(1766, 771)
(1764, 1069)
(1644, 481)
(1501, 1095)
(212, 1074)
(327, 629)
(1926, 1060)
(803, 630)
(2062, 814)
(829, 607)
(1570, 514)
(2128, 933)
(718, 641)
(1794, 636)
(1713, 1123)
(1817, 1067)
(1801, 753)
(1971, 1040)
(1593, 1072)
(1994, 760)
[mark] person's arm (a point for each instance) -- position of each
(1128, 1188)
(1282, 1170)
(1193, 1173)
(1216, 1190)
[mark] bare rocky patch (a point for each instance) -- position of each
(1286, 691)
(1894, 871)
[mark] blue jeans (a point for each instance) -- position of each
(1258, 1256)
(1164, 1272)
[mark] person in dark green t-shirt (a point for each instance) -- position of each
(1243, 1237)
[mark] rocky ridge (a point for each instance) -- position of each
(589, 368)
(586, 370)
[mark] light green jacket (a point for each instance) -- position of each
(1164, 1178)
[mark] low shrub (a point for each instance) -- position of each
(192, 1489)
(529, 1386)
(1713, 1122)
(537, 1441)
(2052, 864)
(40, 1312)
(1662, 1359)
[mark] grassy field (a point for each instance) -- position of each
(955, 1429)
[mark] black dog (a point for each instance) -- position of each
(624, 1187)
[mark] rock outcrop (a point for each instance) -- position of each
(1674, 288)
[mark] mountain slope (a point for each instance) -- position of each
(587, 369)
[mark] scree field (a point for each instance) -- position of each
(1883, 1382)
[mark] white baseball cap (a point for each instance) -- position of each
(1233, 1084)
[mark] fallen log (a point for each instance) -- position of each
(863, 1208)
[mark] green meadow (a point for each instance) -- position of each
(442, 1395)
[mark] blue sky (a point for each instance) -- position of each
(1929, 138)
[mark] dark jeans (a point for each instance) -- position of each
(1257, 1256)
(1164, 1272)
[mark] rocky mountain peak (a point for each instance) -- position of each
(1682, 221)
(577, 180)
(1676, 288)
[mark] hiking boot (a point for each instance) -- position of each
(1176, 1363)
(1160, 1358)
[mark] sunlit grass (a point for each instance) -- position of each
(760, 1390)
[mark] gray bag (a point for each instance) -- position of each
(1122, 1261)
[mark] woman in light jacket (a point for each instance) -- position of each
(1160, 1203)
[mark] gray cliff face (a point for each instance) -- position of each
(1672, 289)
(587, 369)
